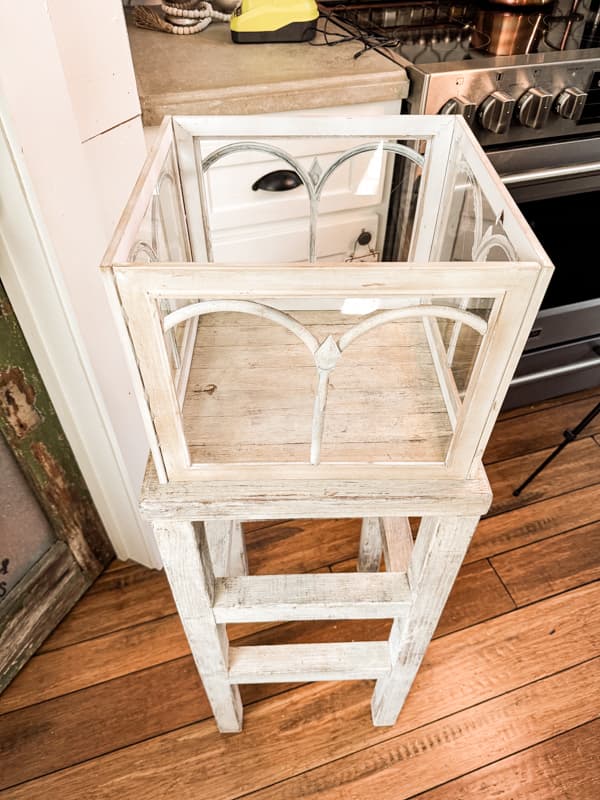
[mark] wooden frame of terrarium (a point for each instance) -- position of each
(159, 304)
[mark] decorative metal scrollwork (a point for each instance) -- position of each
(145, 248)
(315, 179)
(485, 242)
(328, 352)
(158, 228)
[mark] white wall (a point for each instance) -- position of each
(70, 97)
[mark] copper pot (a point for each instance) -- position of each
(507, 33)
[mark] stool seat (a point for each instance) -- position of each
(284, 499)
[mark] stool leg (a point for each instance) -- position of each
(436, 558)
(370, 546)
(227, 547)
(184, 550)
(238, 560)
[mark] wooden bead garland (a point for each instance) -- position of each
(185, 17)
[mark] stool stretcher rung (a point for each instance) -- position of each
(271, 598)
(309, 662)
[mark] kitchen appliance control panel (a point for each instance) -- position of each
(516, 103)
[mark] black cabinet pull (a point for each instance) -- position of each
(282, 180)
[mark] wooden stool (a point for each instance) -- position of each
(200, 538)
(346, 389)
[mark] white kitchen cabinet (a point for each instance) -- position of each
(232, 200)
(288, 241)
(250, 224)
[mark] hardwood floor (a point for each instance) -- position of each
(505, 706)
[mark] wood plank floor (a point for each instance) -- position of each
(505, 706)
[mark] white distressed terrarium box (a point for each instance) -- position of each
(283, 367)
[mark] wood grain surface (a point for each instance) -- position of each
(560, 767)
(515, 437)
(545, 568)
(236, 360)
(504, 705)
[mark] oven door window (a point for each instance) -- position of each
(568, 228)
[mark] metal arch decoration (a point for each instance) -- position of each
(142, 247)
(150, 249)
(483, 244)
(242, 307)
(394, 314)
(491, 240)
(236, 147)
(313, 180)
(390, 147)
(328, 352)
(157, 213)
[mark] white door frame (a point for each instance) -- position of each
(33, 281)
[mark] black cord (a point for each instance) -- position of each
(368, 41)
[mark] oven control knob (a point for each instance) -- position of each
(496, 111)
(570, 102)
(533, 108)
(462, 106)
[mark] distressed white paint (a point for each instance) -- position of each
(227, 547)
(238, 558)
(186, 558)
(370, 546)
(230, 127)
(209, 602)
(449, 491)
(336, 661)
(319, 499)
(438, 553)
(265, 598)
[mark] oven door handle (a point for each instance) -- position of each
(532, 175)
(551, 373)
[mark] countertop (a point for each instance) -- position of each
(206, 73)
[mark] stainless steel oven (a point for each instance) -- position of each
(528, 82)
(557, 187)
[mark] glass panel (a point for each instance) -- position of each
(461, 342)
(303, 199)
(404, 188)
(250, 392)
(176, 338)
(385, 403)
(472, 231)
(162, 234)
(246, 189)
(261, 373)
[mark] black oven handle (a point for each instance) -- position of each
(552, 173)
